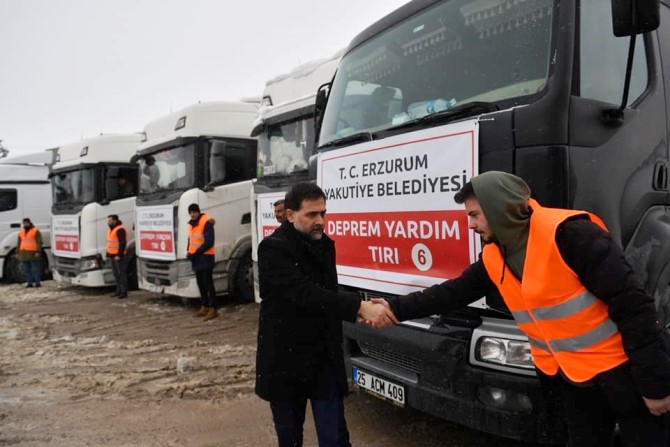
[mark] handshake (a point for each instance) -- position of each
(376, 313)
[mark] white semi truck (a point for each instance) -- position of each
(24, 192)
(201, 154)
(285, 131)
(90, 180)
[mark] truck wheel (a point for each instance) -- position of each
(13, 271)
(243, 279)
(131, 273)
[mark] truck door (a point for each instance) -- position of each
(618, 170)
(10, 212)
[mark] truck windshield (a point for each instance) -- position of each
(169, 169)
(455, 53)
(75, 187)
(285, 147)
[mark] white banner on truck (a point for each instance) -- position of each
(265, 217)
(65, 234)
(391, 208)
(155, 232)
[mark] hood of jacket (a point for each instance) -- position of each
(194, 222)
(504, 198)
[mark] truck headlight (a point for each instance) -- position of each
(506, 352)
(90, 263)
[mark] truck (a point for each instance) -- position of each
(571, 95)
(201, 154)
(24, 192)
(285, 131)
(90, 180)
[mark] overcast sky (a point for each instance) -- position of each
(75, 68)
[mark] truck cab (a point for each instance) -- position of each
(201, 154)
(24, 192)
(439, 91)
(285, 131)
(90, 180)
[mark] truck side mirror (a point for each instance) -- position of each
(320, 107)
(631, 17)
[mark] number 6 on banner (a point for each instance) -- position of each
(422, 257)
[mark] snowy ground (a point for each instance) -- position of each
(79, 368)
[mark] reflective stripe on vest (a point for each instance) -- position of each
(113, 243)
(196, 236)
(567, 326)
(28, 239)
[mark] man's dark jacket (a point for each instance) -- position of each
(300, 322)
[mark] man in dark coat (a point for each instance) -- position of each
(632, 387)
(201, 253)
(299, 353)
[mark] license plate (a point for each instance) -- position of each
(379, 387)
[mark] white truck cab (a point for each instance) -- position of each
(201, 154)
(24, 193)
(90, 180)
(285, 131)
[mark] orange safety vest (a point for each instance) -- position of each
(113, 243)
(28, 239)
(196, 236)
(567, 326)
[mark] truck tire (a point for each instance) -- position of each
(243, 279)
(13, 272)
(131, 273)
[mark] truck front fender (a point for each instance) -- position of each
(648, 252)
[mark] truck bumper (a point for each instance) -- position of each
(94, 278)
(438, 379)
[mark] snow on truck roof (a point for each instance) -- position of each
(297, 88)
(216, 118)
(105, 148)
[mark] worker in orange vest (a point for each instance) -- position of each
(593, 331)
(29, 253)
(201, 253)
(118, 255)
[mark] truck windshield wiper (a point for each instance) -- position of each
(355, 138)
(459, 111)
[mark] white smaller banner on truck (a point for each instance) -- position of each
(265, 217)
(155, 232)
(65, 234)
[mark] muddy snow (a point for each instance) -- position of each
(80, 368)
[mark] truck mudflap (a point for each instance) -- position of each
(429, 370)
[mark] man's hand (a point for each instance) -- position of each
(37, 255)
(117, 258)
(376, 314)
(658, 407)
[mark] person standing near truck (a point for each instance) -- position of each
(299, 355)
(201, 253)
(593, 330)
(29, 249)
(117, 254)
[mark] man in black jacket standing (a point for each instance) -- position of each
(299, 354)
(592, 329)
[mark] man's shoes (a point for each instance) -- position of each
(29, 286)
(38, 285)
(115, 294)
(122, 295)
(202, 312)
(211, 314)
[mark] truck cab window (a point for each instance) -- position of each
(602, 65)
(229, 162)
(285, 148)
(172, 168)
(120, 182)
(8, 199)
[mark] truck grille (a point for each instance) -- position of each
(393, 358)
(67, 267)
(161, 273)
